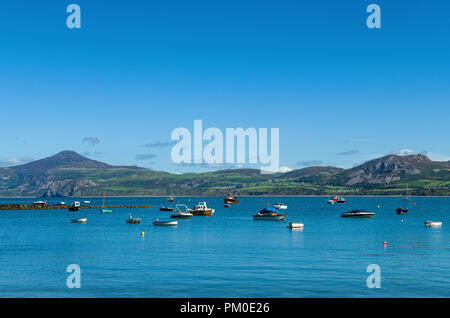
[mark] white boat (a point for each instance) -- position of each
(87, 202)
(181, 212)
(330, 201)
(83, 220)
(165, 223)
(280, 206)
(295, 225)
(201, 209)
(433, 224)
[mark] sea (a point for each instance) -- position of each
(228, 254)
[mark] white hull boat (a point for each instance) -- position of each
(280, 206)
(295, 225)
(165, 223)
(84, 220)
(433, 224)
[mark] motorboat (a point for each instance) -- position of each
(75, 206)
(83, 220)
(165, 223)
(295, 225)
(357, 214)
(165, 208)
(171, 199)
(231, 199)
(201, 209)
(269, 214)
(433, 224)
(330, 201)
(341, 200)
(280, 206)
(132, 220)
(402, 210)
(226, 205)
(87, 202)
(181, 212)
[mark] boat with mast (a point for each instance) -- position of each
(103, 210)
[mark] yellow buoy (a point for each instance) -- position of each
(378, 206)
(142, 233)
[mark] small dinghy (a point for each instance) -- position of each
(295, 225)
(280, 206)
(433, 224)
(165, 223)
(401, 210)
(132, 220)
(269, 214)
(182, 212)
(165, 209)
(357, 214)
(226, 205)
(83, 220)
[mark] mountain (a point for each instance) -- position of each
(71, 174)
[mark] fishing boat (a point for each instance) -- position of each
(83, 220)
(103, 210)
(335, 198)
(75, 206)
(182, 212)
(357, 214)
(401, 210)
(170, 199)
(341, 200)
(280, 206)
(269, 214)
(231, 199)
(165, 223)
(165, 209)
(433, 224)
(201, 209)
(133, 220)
(295, 225)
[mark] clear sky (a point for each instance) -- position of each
(340, 93)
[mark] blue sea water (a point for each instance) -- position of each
(228, 254)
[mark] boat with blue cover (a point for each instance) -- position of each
(269, 214)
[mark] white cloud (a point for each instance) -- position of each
(404, 152)
(14, 161)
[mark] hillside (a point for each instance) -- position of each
(70, 174)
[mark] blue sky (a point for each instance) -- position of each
(340, 93)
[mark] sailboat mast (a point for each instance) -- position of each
(103, 199)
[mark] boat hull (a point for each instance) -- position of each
(178, 216)
(105, 211)
(208, 212)
(134, 221)
(358, 216)
(278, 217)
(295, 225)
(79, 220)
(74, 208)
(166, 223)
(166, 209)
(432, 224)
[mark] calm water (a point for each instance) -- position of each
(229, 254)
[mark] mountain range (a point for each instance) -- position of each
(71, 174)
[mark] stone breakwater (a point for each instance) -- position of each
(16, 206)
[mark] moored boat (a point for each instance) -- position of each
(226, 205)
(165, 223)
(82, 220)
(103, 210)
(182, 212)
(433, 224)
(231, 199)
(201, 209)
(75, 206)
(341, 200)
(280, 206)
(133, 220)
(171, 199)
(357, 214)
(330, 201)
(295, 225)
(269, 214)
(401, 210)
(165, 209)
